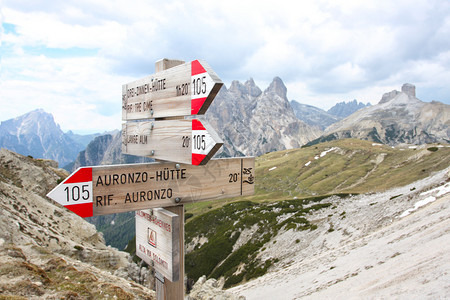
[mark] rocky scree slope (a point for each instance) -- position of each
(47, 251)
(226, 238)
(391, 244)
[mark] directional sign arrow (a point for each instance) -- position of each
(100, 190)
(185, 141)
(183, 90)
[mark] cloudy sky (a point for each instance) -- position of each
(71, 58)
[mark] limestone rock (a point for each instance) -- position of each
(252, 122)
(41, 236)
(211, 289)
(399, 118)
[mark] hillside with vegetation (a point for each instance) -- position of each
(229, 237)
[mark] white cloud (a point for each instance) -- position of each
(76, 54)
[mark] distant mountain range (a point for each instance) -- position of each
(250, 122)
(36, 134)
(314, 116)
(345, 109)
(399, 118)
(105, 150)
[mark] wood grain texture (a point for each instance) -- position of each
(166, 93)
(162, 250)
(121, 188)
(169, 140)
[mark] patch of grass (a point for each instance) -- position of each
(222, 228)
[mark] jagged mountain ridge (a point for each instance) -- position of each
(36, 134)
(253, 122)
(249, 121)
(105, 150)
(313, 116)
(345, 109)
(398, 118)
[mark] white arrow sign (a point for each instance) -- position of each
(101, 190)
(184, 141)
(183, 90)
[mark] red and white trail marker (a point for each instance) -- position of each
(184, 90)
(189, 141)
(75, 192)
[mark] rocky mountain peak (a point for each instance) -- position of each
(252, 89)
(36, 134)
(236, 86)
(397, 119)
(277, 86)
(253, 123)
(388, 96)
(249, 88)
(409, 89)
(31, 122)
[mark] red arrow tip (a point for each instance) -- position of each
(197, 125)
(197, 68)
(82, 175)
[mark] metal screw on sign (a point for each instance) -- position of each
(177, 200)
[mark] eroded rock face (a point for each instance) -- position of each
(252, 122)
(409, 89)
(45, 240)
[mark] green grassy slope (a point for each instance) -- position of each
(294, 183)
(353, 166)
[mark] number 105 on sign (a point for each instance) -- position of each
(76, 193)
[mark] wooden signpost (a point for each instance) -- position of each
(185, 141)
(101, 190)
(177, 90)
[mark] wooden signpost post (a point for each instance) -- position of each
(177, 90)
